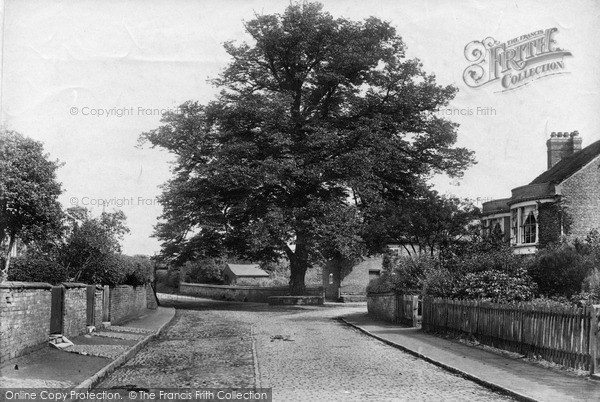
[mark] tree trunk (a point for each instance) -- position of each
(4, 271)
(298, 267)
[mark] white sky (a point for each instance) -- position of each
(90, 55)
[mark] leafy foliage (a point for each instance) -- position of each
(427, 223)
(29, 208)
(208, 271)
(496, 285)
(37, 269)
(560, 270)
(319, 121)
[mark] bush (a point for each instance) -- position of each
(495, 285)
(403, 274)
(36, 269)
(209, 271)
(560, 270)
(137, 270)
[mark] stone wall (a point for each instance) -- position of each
(382, 306)
(25, 318)
(126, 302)
(151, 301)
(239, 293)
(75, 309)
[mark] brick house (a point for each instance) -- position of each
(564, 200)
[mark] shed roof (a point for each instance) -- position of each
(247, 270)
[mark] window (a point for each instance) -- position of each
(529, 228)
(514, 225)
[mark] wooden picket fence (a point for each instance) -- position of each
(558, 334)
(407, 309)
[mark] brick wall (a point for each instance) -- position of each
(25, 322)
(75, 309)
(581, 195)
(126, 302)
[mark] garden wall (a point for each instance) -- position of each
(127, 302)
(382, 306)
(239, 293)
(75, 309)
(25, 322)
(394, 307)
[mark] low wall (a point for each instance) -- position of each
(75, 309)
(126, 302)
(382, 306)
(25, 323)
(240, 293)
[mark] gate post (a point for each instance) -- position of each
(106, 305)
(415, 311)
(594, 339)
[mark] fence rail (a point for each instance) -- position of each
(559, 334)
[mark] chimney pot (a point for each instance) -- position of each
(553, 134)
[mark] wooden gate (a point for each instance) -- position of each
(91, 304)
(56, 312)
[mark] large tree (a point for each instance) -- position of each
(29, 207)
(318, 120)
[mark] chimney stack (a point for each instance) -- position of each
(562, 144)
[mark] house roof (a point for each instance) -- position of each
(569, 165)
(247, 270)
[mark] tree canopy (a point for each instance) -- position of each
(29, 207)
(319, 121)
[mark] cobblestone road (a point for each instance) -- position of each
(303, 353)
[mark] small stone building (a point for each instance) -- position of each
(346, 281)
(564, 200)
(246, 273)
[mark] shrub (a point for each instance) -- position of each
(403, 274)
(559, 270)
(137, 270)
(495, 285)
(36, 269)
(208, 271)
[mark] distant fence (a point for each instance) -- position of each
(563, 335)
(394, 307)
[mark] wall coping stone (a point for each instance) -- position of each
(25, 285)
(74, 285)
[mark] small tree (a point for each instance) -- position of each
(29, 207)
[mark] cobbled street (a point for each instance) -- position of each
(303, 353)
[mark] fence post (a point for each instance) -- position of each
(594, 338)
(415, 311)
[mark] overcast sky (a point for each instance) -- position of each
(65, 62)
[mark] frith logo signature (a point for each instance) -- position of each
(516, 62)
